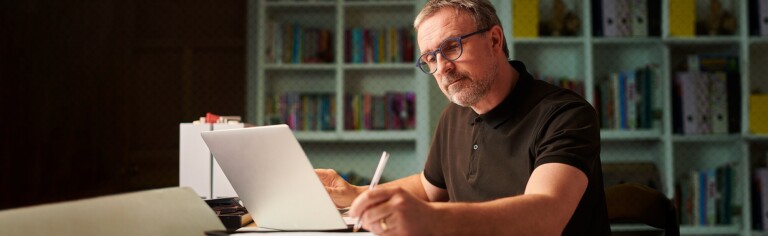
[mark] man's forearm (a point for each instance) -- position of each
(551, 196)
(521, 215)
(412, 184)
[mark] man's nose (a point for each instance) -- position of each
(443, 65)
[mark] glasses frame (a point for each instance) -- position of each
(440, 49)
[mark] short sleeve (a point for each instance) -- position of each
(433, 168)
(570, 135)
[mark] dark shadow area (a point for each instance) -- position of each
(92, 92)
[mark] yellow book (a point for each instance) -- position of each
(525, 18)
(758, 114)
(682, 18)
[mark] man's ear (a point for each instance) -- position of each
(497, 38)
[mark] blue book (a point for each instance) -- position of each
(702, 204)
(622, 101)
(647, 117)
(296, 56)
(357, 42)
(374, 34)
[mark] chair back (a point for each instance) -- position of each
(636, 203)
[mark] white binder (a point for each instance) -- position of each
(695, 104)
(639, 15)
(610, 19)
(194, 159)
(718, 102)
(197, 167)
(624, 17)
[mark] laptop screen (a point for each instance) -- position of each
(273, 178)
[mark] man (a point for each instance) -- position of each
(510, 156)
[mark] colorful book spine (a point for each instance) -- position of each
(625, 101)
(706, 196)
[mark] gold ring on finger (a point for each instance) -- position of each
(383, 224)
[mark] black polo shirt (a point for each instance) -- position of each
(490, 156)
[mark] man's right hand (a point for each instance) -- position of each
(342, 193)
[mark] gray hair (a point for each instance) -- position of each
(481, 11)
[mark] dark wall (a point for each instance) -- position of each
(92, 92)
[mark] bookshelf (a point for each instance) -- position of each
(341, 73)
(587, 57)
(584, 57)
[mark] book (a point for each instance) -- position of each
(606, 105)
(725, 189)
(654, 17)
(712, 196)
(639, 17)
(622, 100)
(693, 93)
(718, 102)
(729, 64)
(631, 100)
(682, 18)
(610, 18)
(758, 113)
(525, 22)
(597, 18)
(624, 17)
(763, 16)
(696, 198)
(761, 177)
(644, 101)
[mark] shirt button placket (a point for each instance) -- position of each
(476, 130)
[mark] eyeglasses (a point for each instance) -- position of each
(450, 49)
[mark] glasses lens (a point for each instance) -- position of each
(427, 63)
(451, 49)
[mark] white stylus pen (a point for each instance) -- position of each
(374, 182)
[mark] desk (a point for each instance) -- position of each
(304, 233)
(169, 211)
(252, 227)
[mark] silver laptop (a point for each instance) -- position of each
(274, 179)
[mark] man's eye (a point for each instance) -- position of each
(450, 47)
(430, 59)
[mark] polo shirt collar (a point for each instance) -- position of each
(511, 104)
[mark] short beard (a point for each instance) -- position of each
(471, 91)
